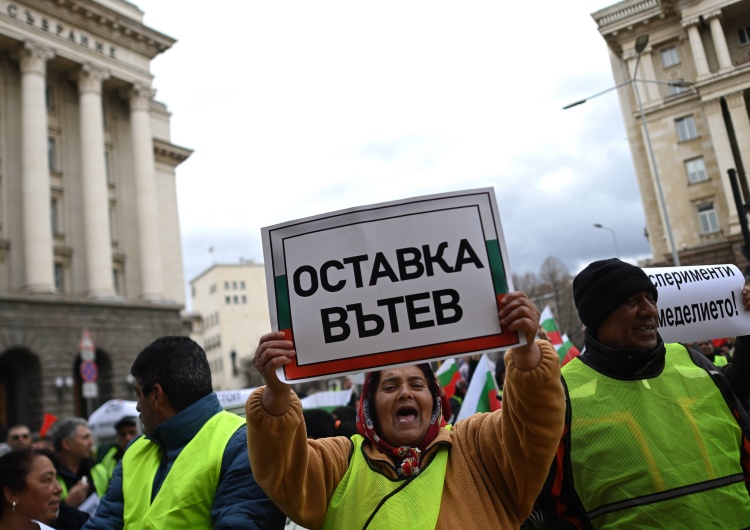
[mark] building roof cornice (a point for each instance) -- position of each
(628, 13)
(106, 23)
(170, 153)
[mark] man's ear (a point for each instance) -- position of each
(157, 395)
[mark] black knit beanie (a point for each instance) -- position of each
(602, 286)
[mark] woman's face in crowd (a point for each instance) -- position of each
(41, 498)
(403, 404)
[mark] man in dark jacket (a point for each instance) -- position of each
(655, 434)
(211, 486)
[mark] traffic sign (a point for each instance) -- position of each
(90, 390)
(86, 346)
(89, 371)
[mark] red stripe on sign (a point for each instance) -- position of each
(375, 361)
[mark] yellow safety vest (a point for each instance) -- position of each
(98, 474)
(109, 462)
(656, 453)
(367, 499)
(720, 360)
(187, 493)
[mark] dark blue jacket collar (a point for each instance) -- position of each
(178, 430)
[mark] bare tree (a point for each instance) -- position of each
(553, 287)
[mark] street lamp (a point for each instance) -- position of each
(640, 44)
(614, 236)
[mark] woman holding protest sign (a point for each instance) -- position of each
(406, 467)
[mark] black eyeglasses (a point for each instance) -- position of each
(19, 436)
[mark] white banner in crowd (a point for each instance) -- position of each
(102, 421)
(700, 302)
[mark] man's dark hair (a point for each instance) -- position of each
(179, 365)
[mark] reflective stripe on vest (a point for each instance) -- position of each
(656, 453)
(187, 493)
(406, 503)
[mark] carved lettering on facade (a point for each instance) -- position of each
(57, 28)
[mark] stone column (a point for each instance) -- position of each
(649, 92)
(147, 212)
(720, 42)
(696, 45)
(741, 125)
(723, 152)
(35, 187)
(98, 253)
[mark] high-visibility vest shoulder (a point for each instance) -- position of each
(720, 360)
(187, 493)
(98, 474)
(109, 462)
(366, 498)
(663, 452)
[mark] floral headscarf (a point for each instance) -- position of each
(407, 458)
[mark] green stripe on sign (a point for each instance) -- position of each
(496, 267)
(283, 313)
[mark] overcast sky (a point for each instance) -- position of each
(297, 108)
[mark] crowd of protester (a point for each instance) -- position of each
(633, 432)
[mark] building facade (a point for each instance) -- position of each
(232, 302)
(694, 95)
(89, 229)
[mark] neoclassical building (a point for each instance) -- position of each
(89, 229)
(231, 303)
(698, 125)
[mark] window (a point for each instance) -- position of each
(708, 219)
(49, 95)
(227, 300)
(744, 34)
(112, 222)
(675, 89)
(108, 166)
(242, 285)
(244, 299)
(226, 286)
(234, 285)
(686, 128)
(117, 280)
(52, 153)
(54, 213)
(59, 277)
(669, 56)
(236, 301)
(696, 170)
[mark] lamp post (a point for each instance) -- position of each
(640, 44)
(614, 236)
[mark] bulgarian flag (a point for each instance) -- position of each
(567, 351)
(550, 327)
(482, 394)
(448, 375)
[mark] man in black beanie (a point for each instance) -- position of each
(656, 436)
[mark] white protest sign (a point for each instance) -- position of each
(700, 302)
(389, 284)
